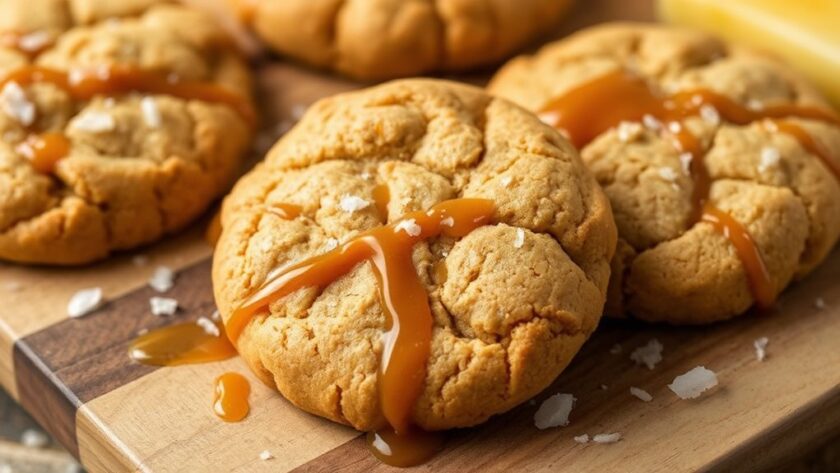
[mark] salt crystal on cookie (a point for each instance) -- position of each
(352, 203)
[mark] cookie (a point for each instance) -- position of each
(381, 39)
(509, 303)
(117, 134)
(720, 163)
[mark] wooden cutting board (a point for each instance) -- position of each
(75, 378)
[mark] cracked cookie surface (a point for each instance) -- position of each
(139, 166)
(512, 302)
(667, 267)
(381, 39)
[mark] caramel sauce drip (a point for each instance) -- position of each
(84, 84)
(382, 197)
(621, 96)
(807, 141)
(405, 450)
(181, 344)
(408, 316)
(44, 150)
(758, 276)
(231, 393)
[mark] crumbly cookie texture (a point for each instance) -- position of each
(55, 16)
(139, 166)
(509, 312)
(380, 39)
(665, 268)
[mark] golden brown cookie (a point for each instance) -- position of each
(117, 134)
(723, 134)
(380, 39)
(511, 302)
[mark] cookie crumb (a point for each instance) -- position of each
(693, 383)
(352, 203)
(33, 438)
(35, 41)
(208, 326)
(710, 114)
(819, 303)
(668, 174)
(607, 438)
(651, 122)
(648, 355)
(628, 131)
(769, 158)
(94, 122)
(582, 438)
(265, 455)
(554, 411)
(162, 306)
(151, 114)
(409, 226)
(760, 345)
(84, 302)
(16, 105)
(163, 279)
(519, 241)
(641, 394)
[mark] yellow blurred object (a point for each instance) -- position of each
(805, 33)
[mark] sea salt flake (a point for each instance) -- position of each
(506, 181)
(554, 411)
(616, 349)
(604, 387)
(208, 326)
(265, 455)
(216, 316)
(297, 111)
(163, 306)
(668, 174)
(94, 122)
(366, 176)
(84, 302)
(409, 226)
(12, 286)
(769, 158)
(651, 122)
(4, 468)
(648, 355)
(34, 41)
(352, 203)
(331, 244)
(674, 127)
(685, 162)
(693, 383)
(710, 114)
(151, 114)
(607, 438)
(760, 345)
(33, 438)
(819, 303)
(140, 260)
(163, 279)
(448, 222)
(15, 104)
(519, 241)
(641, 394)
(628, 131)
(582, 438)
(755, 104)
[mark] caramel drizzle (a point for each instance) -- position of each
(85, 84)
(231, 393)
(44, 150)
(408, 316)
(181, 344)
(620, 96)
(47, 149)
(382, 197)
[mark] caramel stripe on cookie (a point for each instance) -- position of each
(622, 96)
(66, 365)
